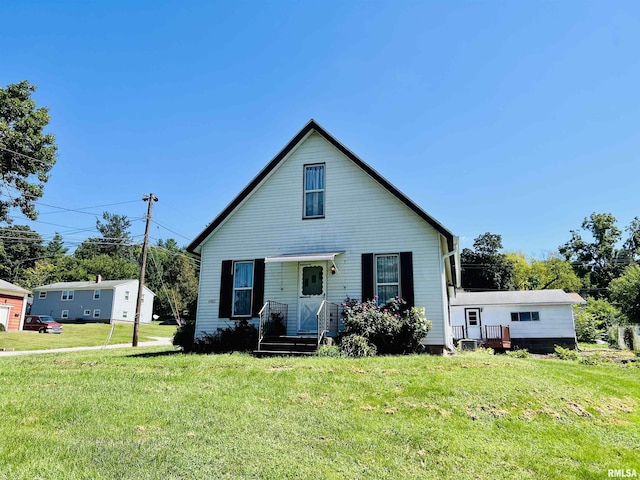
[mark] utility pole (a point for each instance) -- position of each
(145, 244)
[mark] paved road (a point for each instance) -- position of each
(158, 342)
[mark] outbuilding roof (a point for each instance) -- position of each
(10, 287)
(520, 297)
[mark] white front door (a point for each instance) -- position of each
(474, 324)
(311, 292)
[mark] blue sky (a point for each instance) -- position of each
(519, 118)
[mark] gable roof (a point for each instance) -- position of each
(293, 143)
(10, 287)
(521, 297)
(104, 284)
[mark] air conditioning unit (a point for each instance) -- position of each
(468, 345)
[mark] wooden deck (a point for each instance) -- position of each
(497, 337)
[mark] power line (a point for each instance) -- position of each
(27, 156)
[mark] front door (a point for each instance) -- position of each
(311, 290)
(474, 326)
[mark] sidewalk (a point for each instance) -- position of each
(158, 342)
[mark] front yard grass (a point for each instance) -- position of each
(156, 414)
(82, 335)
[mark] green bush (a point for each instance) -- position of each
(566, 353)
(242, 337)
(184, 336)
(586, 327)
(329, 351)
(394, 328)
(2, 327)
(518, 353)
(594, 359)
(357, 346)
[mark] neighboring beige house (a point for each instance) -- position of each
(315, 226)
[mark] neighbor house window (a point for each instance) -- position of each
(96, 294)
(525, 316)
(242, 288)
(67, 295)
(314, 191)
(42, 294)
(387, 277)
(96, 313)
(126, 295)
(64, 314)
(87, 313)
(124, 314)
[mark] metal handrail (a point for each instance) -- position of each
(270, 314)
(326, 312)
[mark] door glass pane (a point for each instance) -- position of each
(312, 280)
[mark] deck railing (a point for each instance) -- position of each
(327, 320)
(458, 332)
(273, 320)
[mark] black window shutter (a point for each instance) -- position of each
(368, 285)
(226, 290)
(258, 286)
(406, 278)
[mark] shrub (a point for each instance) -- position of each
(566, 353)
(242, 337)
(329, 351)
(594, 359)
(586, 327)
(184, 336)
(357, 346)
(394, 328)
(630, 339)
(517, 353)
(2, 327)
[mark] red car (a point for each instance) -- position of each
(42, 324)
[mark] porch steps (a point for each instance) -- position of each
(287, 346)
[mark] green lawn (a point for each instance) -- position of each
(82, 335)
(154, 414)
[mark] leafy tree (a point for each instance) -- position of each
(594, 318)
(597, 261)
(521, 270)
(632, 244)
(172, 275)
(484, 267)
(554, 273)
(26, 152)
(20, 248)
(115, 239)
(625, 293)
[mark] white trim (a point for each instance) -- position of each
(303, 257)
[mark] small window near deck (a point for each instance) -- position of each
(314, 191)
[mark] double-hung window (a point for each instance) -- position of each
(314, 191)
(42, 294)
(96, 294)
(242, 288)
(67, 295)
(387, 277)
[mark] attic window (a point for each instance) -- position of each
(314, 191)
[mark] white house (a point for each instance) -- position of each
(537, 319)
(99, 301)
(315, 226)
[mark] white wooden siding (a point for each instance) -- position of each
(361, 216)
(556, 321)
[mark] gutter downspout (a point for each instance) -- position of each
(457, 273)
